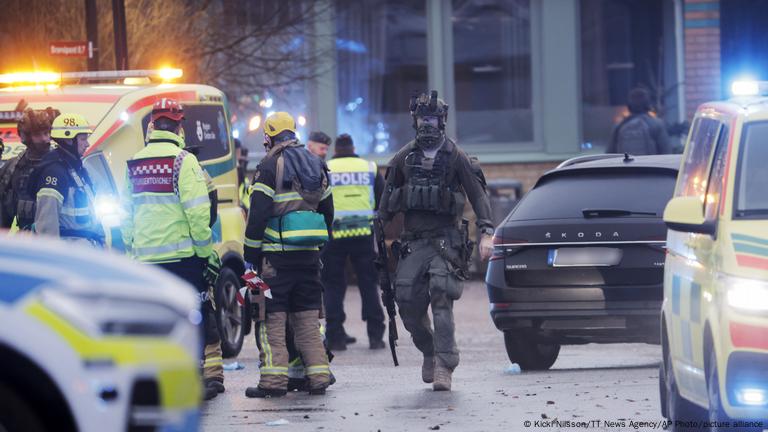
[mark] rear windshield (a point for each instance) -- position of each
(565, 196)
(204, 127)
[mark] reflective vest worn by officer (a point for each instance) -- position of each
(62, 187)
(354, 198)
(168, 210)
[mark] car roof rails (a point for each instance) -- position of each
(589, 158)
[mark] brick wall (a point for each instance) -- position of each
(702, 53)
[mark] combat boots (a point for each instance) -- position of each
(428, 370)
(442, 379)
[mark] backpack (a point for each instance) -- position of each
(634, 136)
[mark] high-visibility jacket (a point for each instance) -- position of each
(166, 203)
(354, 199)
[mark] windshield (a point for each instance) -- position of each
(751, 174)
(599, 193)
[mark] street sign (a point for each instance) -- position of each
(69, 49)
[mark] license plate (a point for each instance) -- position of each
(585, 257)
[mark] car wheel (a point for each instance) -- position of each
(529, 353)
(16, 415)
(678, 409)
(230, 316)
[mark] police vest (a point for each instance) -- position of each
(295, 224)
(352, 182)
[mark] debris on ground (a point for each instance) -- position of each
(234, 366)
(513, 369)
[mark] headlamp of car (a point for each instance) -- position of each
(104, 315)
(748, 295)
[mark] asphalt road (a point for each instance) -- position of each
(601, 387)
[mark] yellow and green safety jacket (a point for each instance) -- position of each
(356, 185)
(166, 203)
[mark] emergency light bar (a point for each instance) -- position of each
(749, 88)
(165, 74)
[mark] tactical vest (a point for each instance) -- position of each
(431, 185)
(15, 187)
(352, 182)
(295, 223)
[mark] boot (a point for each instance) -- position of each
(376, 344)
(216, 384)
(209, 393)
(442, 379)
(263, 393)
(428, 370)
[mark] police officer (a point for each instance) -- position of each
(62, 187)
(428, 181)
(17, 204)
(356, 185)
(168, 209)
(318, 144)
(291, 212)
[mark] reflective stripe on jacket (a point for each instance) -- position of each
(166, 202)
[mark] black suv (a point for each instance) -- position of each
(581, 258)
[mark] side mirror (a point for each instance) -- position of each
(686, 214)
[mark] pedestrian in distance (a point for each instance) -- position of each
(640, 133)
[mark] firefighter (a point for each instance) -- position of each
(168, 210)
(17, 205)
(62, 187)
(291, 212)
(428, 181)
(356, 185)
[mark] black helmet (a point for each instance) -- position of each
(424, 105)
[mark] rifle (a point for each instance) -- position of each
(387, 290)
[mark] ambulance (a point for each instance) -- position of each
(117, 104)
(714, 317)
(88, 343)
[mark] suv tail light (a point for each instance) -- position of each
(500, 246)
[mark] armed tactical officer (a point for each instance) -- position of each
(62, 187)
(16, 199)
(289, 219)
(428, 181)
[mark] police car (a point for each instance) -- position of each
(94, 342)
(715, 309)
(117, 104)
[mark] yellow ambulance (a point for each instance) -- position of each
(118, 104)
(714, 320)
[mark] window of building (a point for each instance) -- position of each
(381, 62)
(492, 71)
(621, 47)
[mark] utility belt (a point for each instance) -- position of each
(443, 239)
